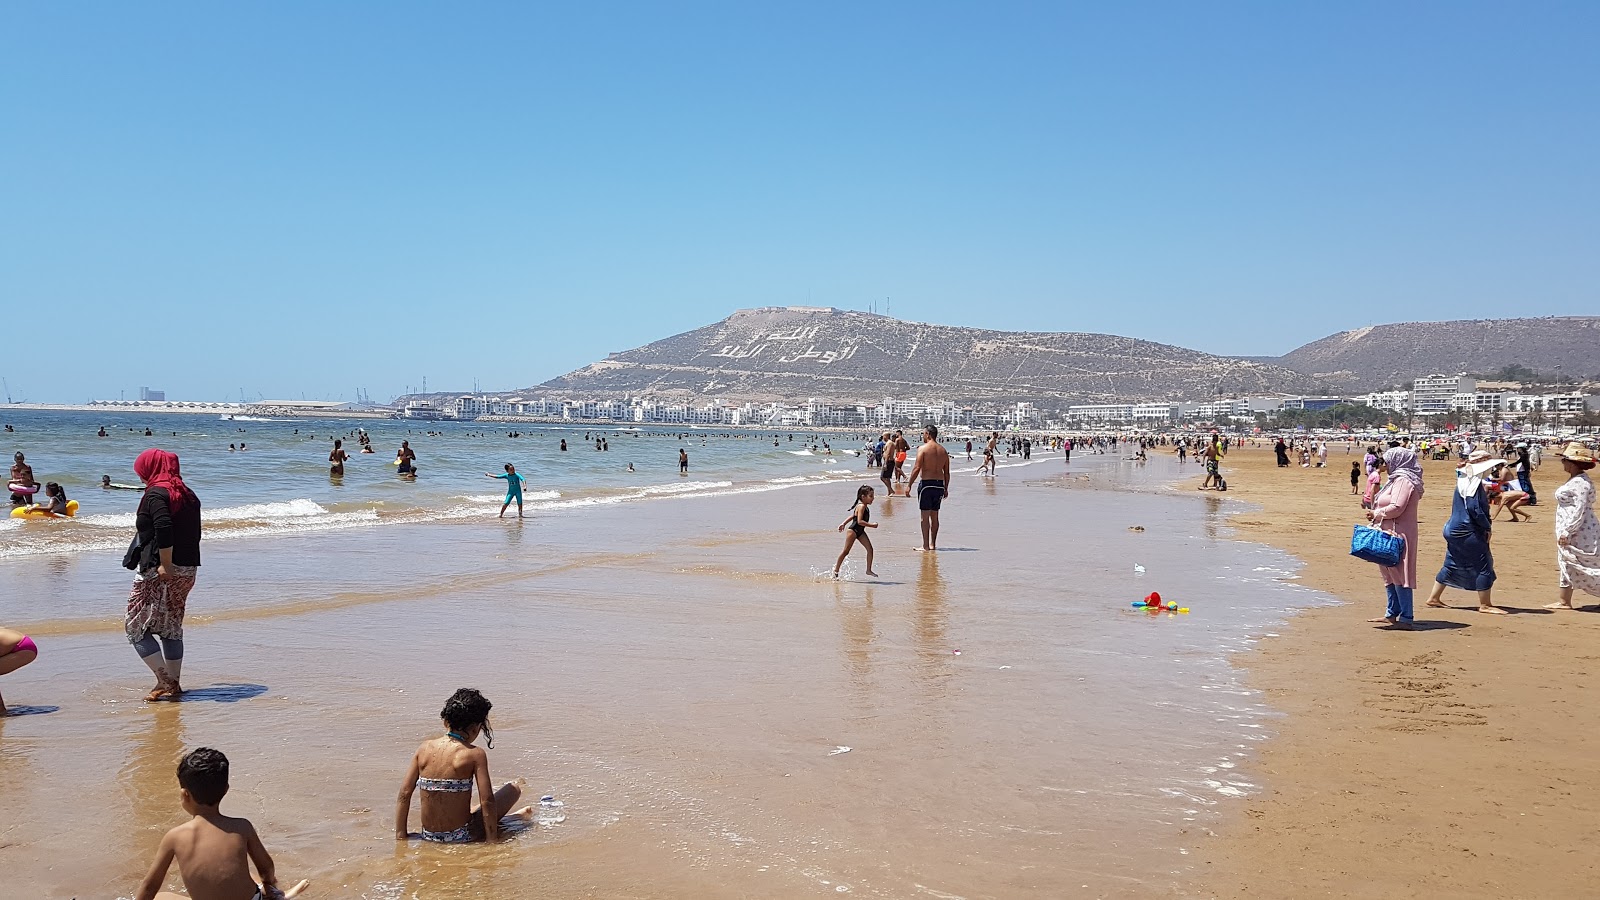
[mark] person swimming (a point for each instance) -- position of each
(107, 484)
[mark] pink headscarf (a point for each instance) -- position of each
(159, 469)
(1402, 464)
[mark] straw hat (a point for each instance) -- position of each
(1577, 453)
(1480, 462)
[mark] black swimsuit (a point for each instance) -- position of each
(859, 524)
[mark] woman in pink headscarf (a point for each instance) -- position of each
(1394, 510)
(164, 559)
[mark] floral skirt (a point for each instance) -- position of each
(156, 606)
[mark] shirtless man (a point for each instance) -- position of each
(988, 452)
(933, 465)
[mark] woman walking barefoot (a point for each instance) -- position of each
(1394, 510)
(858, 523)
(1577, 530)
(1468, 564)
(165, 564)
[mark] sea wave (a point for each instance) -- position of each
(683, 487)
(500, 498)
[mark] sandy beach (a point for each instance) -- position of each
(720, 718)
(1459, 760)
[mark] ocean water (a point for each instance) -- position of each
(719, 716)
(280, 483)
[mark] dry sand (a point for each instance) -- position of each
(1459, 760)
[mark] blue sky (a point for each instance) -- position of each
(302, 199)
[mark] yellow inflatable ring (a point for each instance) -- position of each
(28, 512)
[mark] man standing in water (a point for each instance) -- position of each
(406, 459)
(683, 461)
(933, 465)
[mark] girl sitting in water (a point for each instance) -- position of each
(55, 501)
(445, 768)
(858, 524)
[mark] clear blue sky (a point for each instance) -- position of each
(306, 198)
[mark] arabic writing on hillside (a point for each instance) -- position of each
(787, 354)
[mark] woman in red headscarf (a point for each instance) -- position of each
(165, 562)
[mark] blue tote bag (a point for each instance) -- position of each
(1377, 546)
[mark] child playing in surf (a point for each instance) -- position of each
(213, 851)
(513, 489)
(858, 523)
(55, 500)
(446, 768)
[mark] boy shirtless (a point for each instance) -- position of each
(213, 850)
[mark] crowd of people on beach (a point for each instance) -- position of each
(1491, 477)
(214, 852)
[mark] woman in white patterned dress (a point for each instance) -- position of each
(1577, 530)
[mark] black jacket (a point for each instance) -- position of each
(181, 532)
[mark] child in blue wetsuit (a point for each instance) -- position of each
(513, 489)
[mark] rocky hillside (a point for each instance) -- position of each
(793, 353)
(1379, 355)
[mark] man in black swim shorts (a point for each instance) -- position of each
(933, 466)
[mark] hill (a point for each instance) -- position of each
(789, 353)
(1380, 355)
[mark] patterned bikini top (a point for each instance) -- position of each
(445, 785)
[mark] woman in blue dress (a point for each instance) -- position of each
(1468, 564)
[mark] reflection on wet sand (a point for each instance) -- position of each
(860, 635)
(1213, 516)
(149, 782)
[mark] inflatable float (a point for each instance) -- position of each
(28, 512)
(23, 489)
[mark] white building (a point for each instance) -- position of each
(1155, 413)
(1394, 401)
(1436, 394)
(1101, 412)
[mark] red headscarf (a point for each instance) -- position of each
(159, 469)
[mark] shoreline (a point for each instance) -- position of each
(1449, 761)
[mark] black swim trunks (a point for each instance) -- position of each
(930, 493)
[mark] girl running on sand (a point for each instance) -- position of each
(858, 523)
(446, 768)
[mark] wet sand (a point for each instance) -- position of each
(680, 677)
(1460, 760)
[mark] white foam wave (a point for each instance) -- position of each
(249, 512)
(684, 487)
(501, 498)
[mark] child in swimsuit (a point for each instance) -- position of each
(446, 768)
(858, 523)
(213, 851)
(16, 651)
(55, 502)
(514, 488)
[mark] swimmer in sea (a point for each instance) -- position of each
(858, 523)
(683, 461)
(406, 459)
(513, 489)
(336, 459)
(22, 473)
(106, 484)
